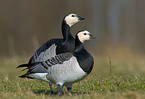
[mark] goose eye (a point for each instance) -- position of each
(73, 15)
(85, 33)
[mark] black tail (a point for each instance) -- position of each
(25, 76)
(23, 65)
(31, 69)
(27, 65)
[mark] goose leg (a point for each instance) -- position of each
(59, 89)
(50, 84)
(69, 88)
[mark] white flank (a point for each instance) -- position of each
(67, 73)
(40, 76)
(50, 52)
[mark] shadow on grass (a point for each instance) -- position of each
(48, 92)
(45, 92)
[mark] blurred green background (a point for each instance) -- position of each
(118, 25)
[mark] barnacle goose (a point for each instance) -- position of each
(66, 68)
(59, 45)
(56, 46)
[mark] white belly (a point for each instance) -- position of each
(67, 73)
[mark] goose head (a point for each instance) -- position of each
(84, 35)
(71, 19)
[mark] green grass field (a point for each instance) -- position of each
(115, 78)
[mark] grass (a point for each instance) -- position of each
(111, 78)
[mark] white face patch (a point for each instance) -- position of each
(71, 19)
(84, 35)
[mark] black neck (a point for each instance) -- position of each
(78, 45)
(66, 31)
(85, 60)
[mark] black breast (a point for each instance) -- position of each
(85, 61)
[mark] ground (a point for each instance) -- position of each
(111, 78)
